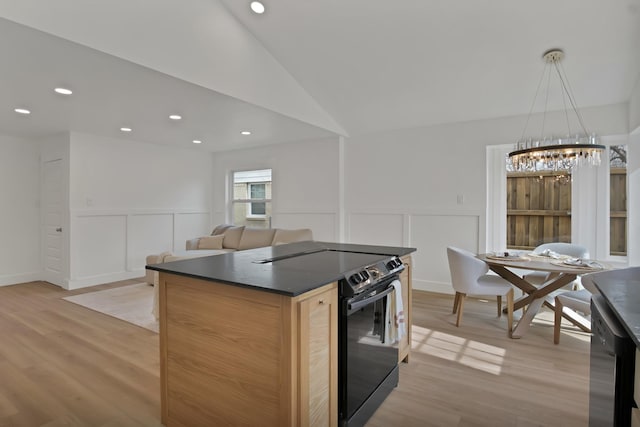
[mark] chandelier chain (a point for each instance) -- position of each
(567, 87)
(546, 101)
(564, 104)
(533, 104)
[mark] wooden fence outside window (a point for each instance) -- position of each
(539, 209)
(618, 211)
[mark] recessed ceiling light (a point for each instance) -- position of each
(175, 117)
(22, 111)
(63, 91)
(245, 132)
(197, 141)
(257, 7)
(126, 129)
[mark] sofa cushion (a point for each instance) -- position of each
(256, 238)
(221, 229)
(289, 236)
(210, 242)
(232, 236)
(157, 259)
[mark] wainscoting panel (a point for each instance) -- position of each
(431, 234)
(190, 225)
(113, 245)
(99, 245)
(376, 229)
(147, 234)
(323, 224)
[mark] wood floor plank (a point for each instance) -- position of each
(475, 375)
(64, 365)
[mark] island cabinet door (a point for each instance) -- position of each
(318, 360)
(404, 346)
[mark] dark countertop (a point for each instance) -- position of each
(317, 264)
(621, 290)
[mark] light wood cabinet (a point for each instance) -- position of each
(318, 353)
(236, 356)
(404, 346)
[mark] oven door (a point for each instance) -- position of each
(366, 360)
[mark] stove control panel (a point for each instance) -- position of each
(359, 280)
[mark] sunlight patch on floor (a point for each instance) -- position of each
(545, 318)
(474, 354)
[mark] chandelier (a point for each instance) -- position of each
(550, 152)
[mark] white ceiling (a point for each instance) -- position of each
(369, 65)
(110, 93)
(378, 65)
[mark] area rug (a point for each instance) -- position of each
(131, 303)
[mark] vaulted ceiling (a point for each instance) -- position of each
(301, 70)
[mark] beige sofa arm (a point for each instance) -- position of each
(192, 244)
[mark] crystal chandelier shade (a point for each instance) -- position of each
(554, 153)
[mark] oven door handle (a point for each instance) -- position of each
(358, 305)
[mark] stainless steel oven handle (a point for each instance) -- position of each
(358, 305)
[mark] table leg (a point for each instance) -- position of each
(525, 321)
(519, 282)
(537, 298)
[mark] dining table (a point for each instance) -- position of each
(564, 270)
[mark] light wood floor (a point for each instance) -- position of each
(62, 364)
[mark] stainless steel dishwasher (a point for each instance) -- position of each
(611, 368)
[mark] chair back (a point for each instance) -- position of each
(571, 249)
(465, 270)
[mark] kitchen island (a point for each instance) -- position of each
(250, 337)
(615, 356)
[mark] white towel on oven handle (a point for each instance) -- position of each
(395, 327)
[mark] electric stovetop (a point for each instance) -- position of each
(291, 269)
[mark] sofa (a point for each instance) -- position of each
(228, 238)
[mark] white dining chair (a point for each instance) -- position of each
(537, 278)
(575, 306)
(469, 277)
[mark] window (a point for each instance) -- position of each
(251, 198)
(618, 200)
(257, 191)
(593, 201)
(538, 208)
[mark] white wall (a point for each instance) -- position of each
(633, 181)
(131, 199)
(305, 184)
(634, 107)
(427, 187)
(19, 210)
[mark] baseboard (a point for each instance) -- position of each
(105, 278)
(429, 286)
(14, 279)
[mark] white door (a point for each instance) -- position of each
(52, 202)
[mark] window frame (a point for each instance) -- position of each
(232, 202)
(584, 200)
